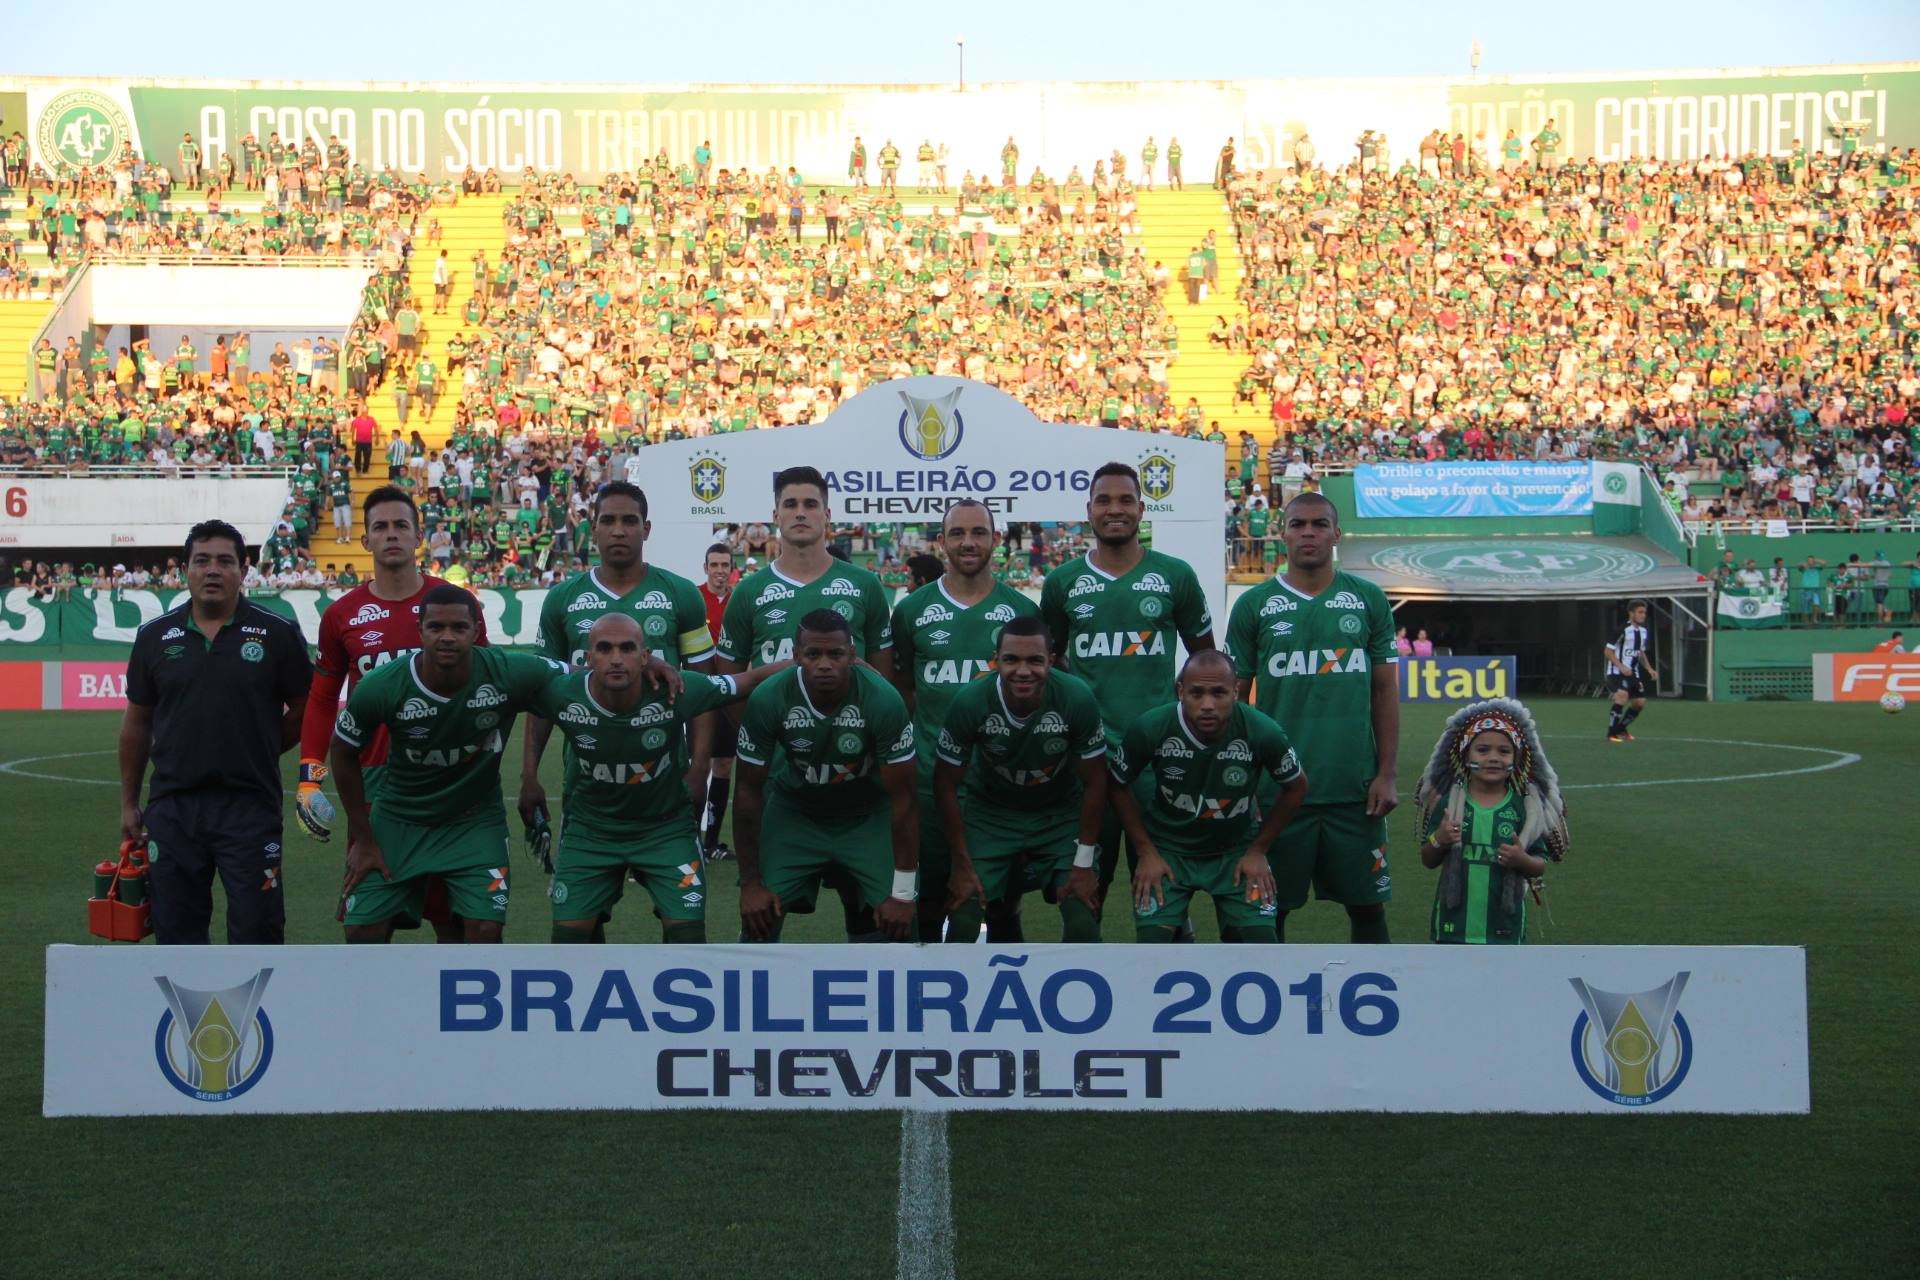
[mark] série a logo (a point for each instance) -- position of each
(80, 129)
(931, 429)
(213, 1046)
(1633, 1049)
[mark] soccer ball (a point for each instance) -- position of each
(1892, 703)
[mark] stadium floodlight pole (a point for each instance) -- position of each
(960, 42)
(1473, 56)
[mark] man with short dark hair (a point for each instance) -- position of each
(448, 711)
(826, 783)
(1118, 614)
(373, 624)
(763, 614)
(215, 691)
(944, 635)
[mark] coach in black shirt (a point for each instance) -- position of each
(215, 692)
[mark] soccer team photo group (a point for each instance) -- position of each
(1092, 641)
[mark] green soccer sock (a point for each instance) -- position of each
(964, 924)
(1077, 922)
(1249, 933)
(684, 931)
(1367, 924)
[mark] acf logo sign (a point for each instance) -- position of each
(1518, 561)
(80, 129)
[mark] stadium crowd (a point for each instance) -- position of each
(1743, 327)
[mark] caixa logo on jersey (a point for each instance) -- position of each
(213, 1046)
(1633, 1049)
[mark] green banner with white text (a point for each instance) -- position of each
(103, 623)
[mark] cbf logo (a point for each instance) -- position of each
(707, 476)
(1632, 1050)
(80, 129)
(213, 1046)
(931, 429)
(1156, 477)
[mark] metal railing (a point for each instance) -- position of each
(1787, 528)
(149, 471)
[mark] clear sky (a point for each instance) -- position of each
(736, 41)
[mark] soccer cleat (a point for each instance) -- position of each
(1616, 737)
(1627, 735)
(719, 853)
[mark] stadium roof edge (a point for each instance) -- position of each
(16, 83)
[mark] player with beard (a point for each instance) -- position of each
(1313, 648)
(944, 636)
(370, 626)
(1117, 614)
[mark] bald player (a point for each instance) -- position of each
(625, 808)
(1196, 825)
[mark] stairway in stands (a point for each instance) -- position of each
(1172, 224)
(19, 321)
(473, 224)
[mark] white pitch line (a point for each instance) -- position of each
(13, 767)
(1840, 760)
(923, 1223)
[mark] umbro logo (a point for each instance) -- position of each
(776, 616)
(371, 637)
(940, 637)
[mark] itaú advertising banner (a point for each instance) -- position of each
(1864, 677)
(1458, 679)
(217, 1030)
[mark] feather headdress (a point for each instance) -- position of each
(1443, 785)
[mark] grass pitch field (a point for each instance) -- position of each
(1761, 851)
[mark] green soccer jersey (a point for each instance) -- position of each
(1023, 764)
(1119, 634)
(443, 761)
(946, 646)
(1202, 802)
(1491, 906)
(1312, 661)
(765, 609)
(827, 766)
(622, 770)
(667, 606)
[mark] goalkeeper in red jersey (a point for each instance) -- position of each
(363, 630)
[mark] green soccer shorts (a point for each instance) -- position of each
(471, 858)
(590, 873)
(1339, 851)
(1210, 876)
(1024, 851)
(797, 850)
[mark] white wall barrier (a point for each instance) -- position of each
(216, 1030)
